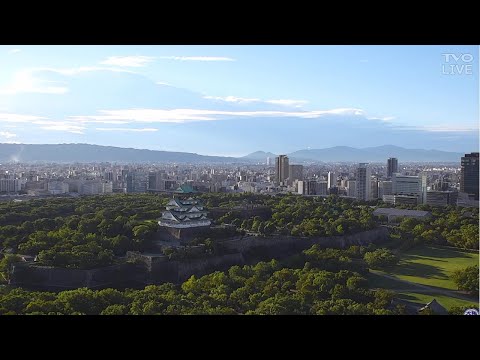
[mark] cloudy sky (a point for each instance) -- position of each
(233, 100)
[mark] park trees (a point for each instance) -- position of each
(467, 279)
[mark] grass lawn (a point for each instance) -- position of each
(432, 266)
(446, 301)
(378, 281)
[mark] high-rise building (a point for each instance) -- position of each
(352, 188)
(152, 181)
(10, 185)
(269, 161)
(137, 181)
(295, 172)
(311, 187)
(469, 175)
(363, 185)
(410, 185)
(281, 169)
(302, 188)
(392, 166)
(331, 179)
(374, 190)
(322, 188)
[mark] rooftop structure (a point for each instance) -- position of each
(393, 213)
(182, 214)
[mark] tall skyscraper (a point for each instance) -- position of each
(469, 176)
(281, 169)
(295, 172)
(363, 185)
(331, 179)
(392, 166)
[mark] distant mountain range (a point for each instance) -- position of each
(98, 153)
(371, 154)
(375, 154)
(259, 155)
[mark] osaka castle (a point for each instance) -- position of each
(184, 214)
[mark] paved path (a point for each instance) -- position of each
(426, 289)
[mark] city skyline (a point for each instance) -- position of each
(203, 99)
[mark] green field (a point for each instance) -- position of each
(446, 301)
(433, 266)
(427, 265)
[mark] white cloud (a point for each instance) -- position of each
(288, 102)
(198, 58)
(187, 115)
(28, 81)
(25, 81)
(441, 128)
(240, 100)
(232, 99)
(386, 118)
(127, 129)
(19, 118)
(80, 69)
(163, 83)
(14, 51)
(7, 134)
(97, 120)
(66, 126)
(129, 61)
(44, 123)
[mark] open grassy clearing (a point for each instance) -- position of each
(433, 266)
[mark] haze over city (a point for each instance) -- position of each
(234, 100)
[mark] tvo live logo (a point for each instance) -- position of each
(457, 64)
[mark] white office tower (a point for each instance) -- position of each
(411, 186)
(331, 179)
(301, 188)
(364, 186)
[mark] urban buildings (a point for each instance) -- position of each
(322, 188)
(281, 169)
(295, 172)
(469, 175)
(410, 186)
(331, 179)
(441, 180)
(392, 167)
(442, 198)
(10, 185)
(352, 188)
(363, 184)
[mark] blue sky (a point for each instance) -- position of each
(233, 100)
